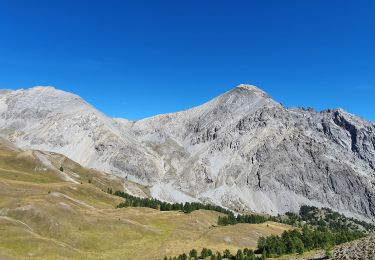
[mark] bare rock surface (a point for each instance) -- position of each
(362, 249)
(241, 150)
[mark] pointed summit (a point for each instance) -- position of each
(243, 96)
(250, 89)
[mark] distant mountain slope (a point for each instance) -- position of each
(242, 150)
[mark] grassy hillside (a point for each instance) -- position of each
(48, 213)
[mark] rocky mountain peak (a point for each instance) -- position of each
(241, 150)
(246, 91)
(251, 89)
(240, 100)
(37, 102)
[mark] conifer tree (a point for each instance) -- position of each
(193, 253)
(227, 254)
(239, 255)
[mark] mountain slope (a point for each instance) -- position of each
(49, 214)
(45, 118)
(241, 150)
(245, 151)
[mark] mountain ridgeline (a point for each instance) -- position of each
(241, 151)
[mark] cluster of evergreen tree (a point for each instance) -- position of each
(133, 201)
(246, 254)
(290, 242)
(321, 229)
(231, 219)
(325, 218)
(295, 241)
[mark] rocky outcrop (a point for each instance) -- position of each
(363, 248)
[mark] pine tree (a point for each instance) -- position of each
(205, 253)
(300, 248)
(193, 253)
(182, 257)
(227, 254)
(264, 255)
(239, 255)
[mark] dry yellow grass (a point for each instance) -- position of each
(43, 216)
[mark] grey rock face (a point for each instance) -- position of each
(242, 150)
(247, 152)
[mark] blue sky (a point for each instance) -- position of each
(135, 59)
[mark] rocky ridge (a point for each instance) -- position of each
(241, 150)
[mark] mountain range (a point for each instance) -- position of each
(242, 150)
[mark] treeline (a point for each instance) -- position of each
(246, 254)
(308, 215)
(133, 201)
(295, 241)
(325, 218)
(290, 242)
(231, 219)
(331, 219)
(322, 228)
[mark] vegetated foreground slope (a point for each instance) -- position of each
(51, 212)
(241, 150)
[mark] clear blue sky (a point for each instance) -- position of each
(135, 59)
